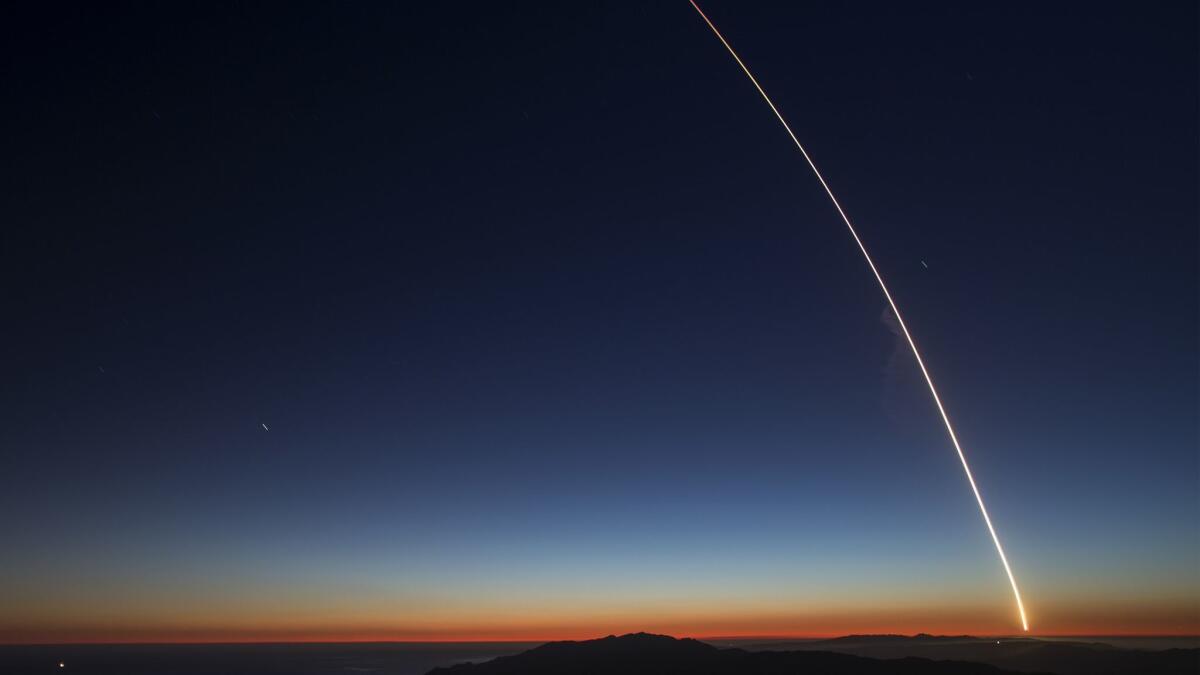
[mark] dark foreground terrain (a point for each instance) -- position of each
(642, 653)
(630, 654)
(1062, 657)
(381, 658)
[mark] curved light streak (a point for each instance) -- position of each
(895, 310)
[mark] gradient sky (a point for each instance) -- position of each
(556, 336)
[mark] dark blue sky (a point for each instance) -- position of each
(540, 306)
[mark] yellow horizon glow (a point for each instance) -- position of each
(1178, 618)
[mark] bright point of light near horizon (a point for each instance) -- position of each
(895, 310)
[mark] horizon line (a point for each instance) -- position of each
(482, 640)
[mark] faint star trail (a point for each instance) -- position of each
(895, 310)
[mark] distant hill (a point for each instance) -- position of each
(1019, 654)
(641, 653)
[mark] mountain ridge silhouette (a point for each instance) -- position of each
(646, 653)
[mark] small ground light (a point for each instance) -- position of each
(61, 664)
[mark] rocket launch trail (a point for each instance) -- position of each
(895, 310)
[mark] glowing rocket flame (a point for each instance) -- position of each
(895, 310)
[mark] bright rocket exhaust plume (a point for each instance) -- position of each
(895, 310)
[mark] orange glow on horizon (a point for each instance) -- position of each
(1173, 624)
(504, 637)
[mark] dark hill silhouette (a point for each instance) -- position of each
(1019, 654)
(640, 653)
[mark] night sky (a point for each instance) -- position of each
(526, 322)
